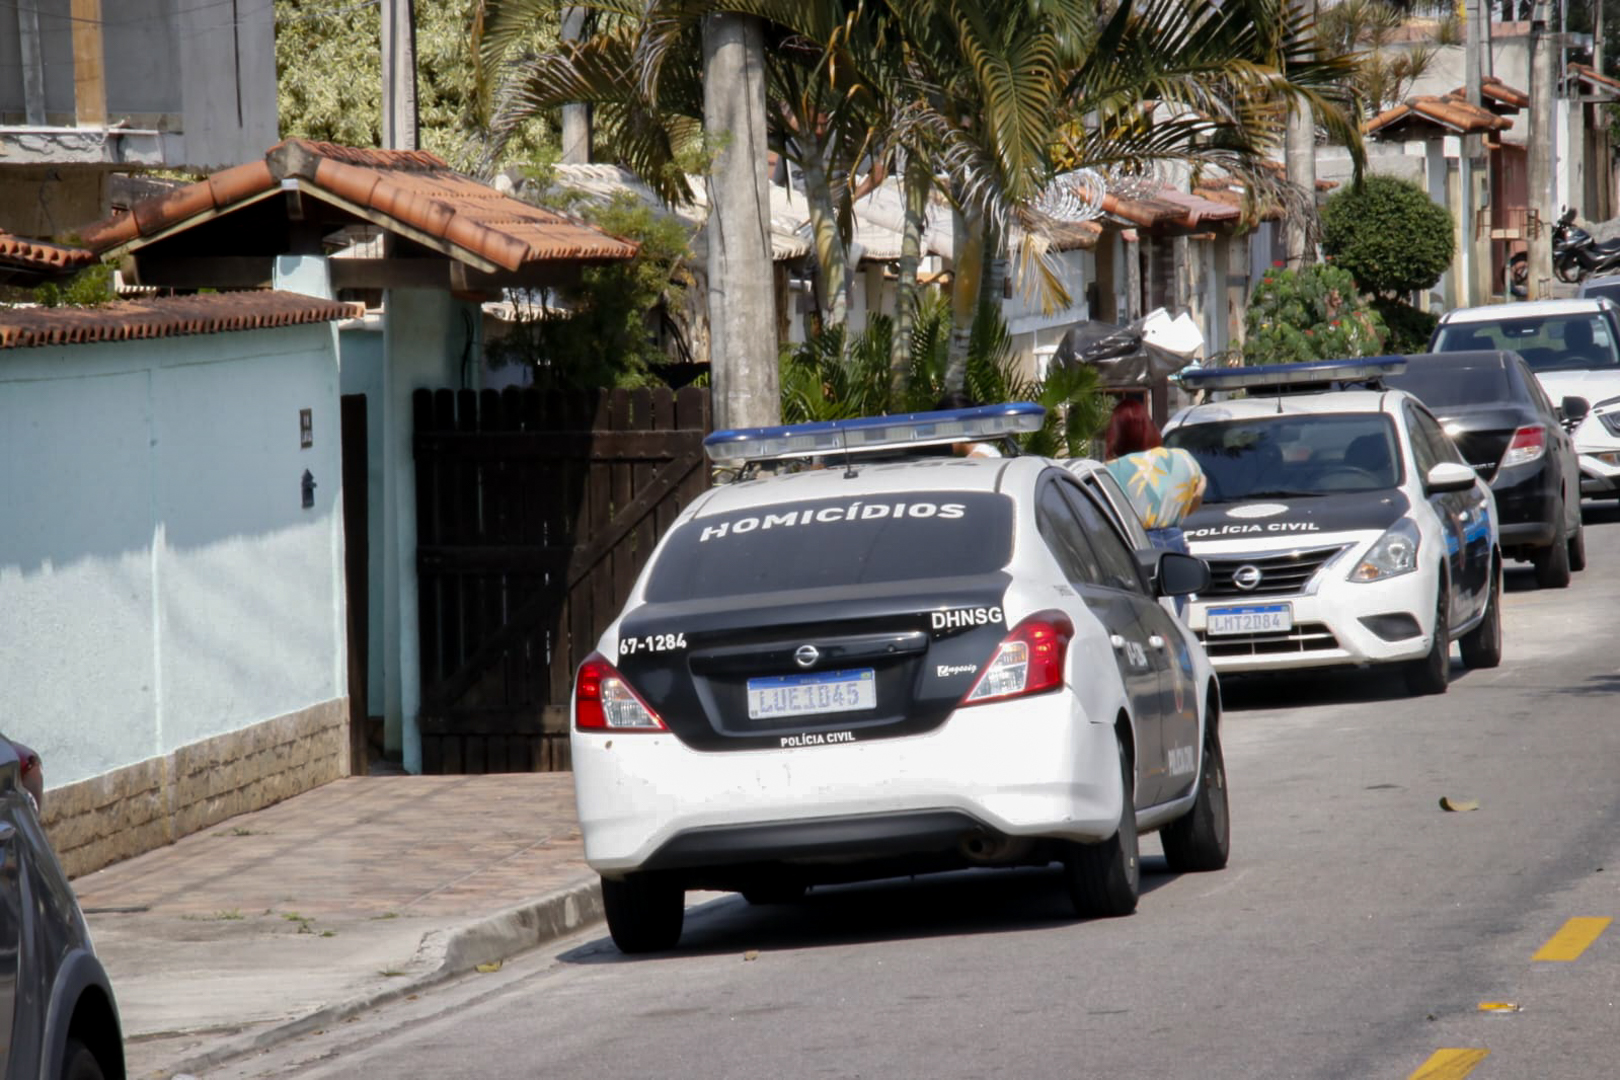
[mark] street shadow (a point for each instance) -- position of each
(1593, 686)
(1320, 686)
(1602, 513)
(969, 902)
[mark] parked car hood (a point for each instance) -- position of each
(1594, 386)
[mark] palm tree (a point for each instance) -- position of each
(980, 100)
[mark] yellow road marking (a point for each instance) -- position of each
(1450, 1064)
(1573, 939)
(1499, 1006)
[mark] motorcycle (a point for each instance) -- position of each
(1576, 255)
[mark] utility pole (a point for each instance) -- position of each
(1300, 148)
(576, 118)
(1543, 146)
(1470, 275)
(399, 127)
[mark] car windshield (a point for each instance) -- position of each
(1576, 342)
(828, 543)
(1278, 457)
(1445, 384)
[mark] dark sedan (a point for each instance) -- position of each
(58, 1020)
(1501, 419)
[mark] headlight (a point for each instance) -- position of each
(1391, 555)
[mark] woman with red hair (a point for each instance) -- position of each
(1164, 484)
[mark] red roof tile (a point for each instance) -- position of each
(1592, 77)
(1451, 113)
(172, 316)
(41, 257)
(419, 192)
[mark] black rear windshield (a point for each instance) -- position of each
(826, 543)
(1444, 385)
(1276, 457)
(1574, 342)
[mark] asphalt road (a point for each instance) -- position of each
(1357, 932)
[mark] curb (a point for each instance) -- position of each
(449, 952)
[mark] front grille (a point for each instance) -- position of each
(1306, 637)
(1281, 573)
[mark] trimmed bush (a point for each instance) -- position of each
(1389, 234)
(1409, 328)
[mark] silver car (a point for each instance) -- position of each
(58, 1018)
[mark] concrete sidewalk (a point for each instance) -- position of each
(283, 921)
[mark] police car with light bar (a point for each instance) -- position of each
(870, 657)
(1340, 523)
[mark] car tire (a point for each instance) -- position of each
(1201, 839)
(1552, 561)
(1432, 674)
(644, 912)
(1577, 548)
(1105, 879)
(1482, 646)
(79, 1063)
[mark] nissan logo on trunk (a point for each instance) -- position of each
(1247, 577)
(806, 655)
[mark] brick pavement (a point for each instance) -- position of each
(324, 898)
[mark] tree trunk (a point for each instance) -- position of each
(915, 184)
(1300, 148)
(576, 118)
(742, 326)
(965, 279)
(832, 257)
(997, 267)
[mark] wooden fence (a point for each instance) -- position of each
(535, 512)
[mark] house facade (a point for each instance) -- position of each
(171, 561)
(90, 87)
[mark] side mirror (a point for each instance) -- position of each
(1448, 476)
(1574, 410)
(1170, 573)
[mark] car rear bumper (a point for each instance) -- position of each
(1329, 630)
(1527, 504)
(1029, 767)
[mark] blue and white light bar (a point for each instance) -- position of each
(1310, 373)
(978, 424)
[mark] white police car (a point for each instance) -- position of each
(893, 664)
(1341, 526)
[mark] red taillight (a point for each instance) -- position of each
(1029, 660)
(1527, 444)
(604, 701)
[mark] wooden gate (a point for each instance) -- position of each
(535, 512)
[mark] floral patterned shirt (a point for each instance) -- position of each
(1163, 484)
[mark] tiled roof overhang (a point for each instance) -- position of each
(40, 257)
(410, 192)
(1496, 95)
(1450, 114)
(126, 320)
(1596, 80)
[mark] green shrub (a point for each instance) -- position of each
(1311, 314)
(1409, 328)
(1389, 234)
(834, 377)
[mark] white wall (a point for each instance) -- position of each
(160, 582)
(424, 338)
